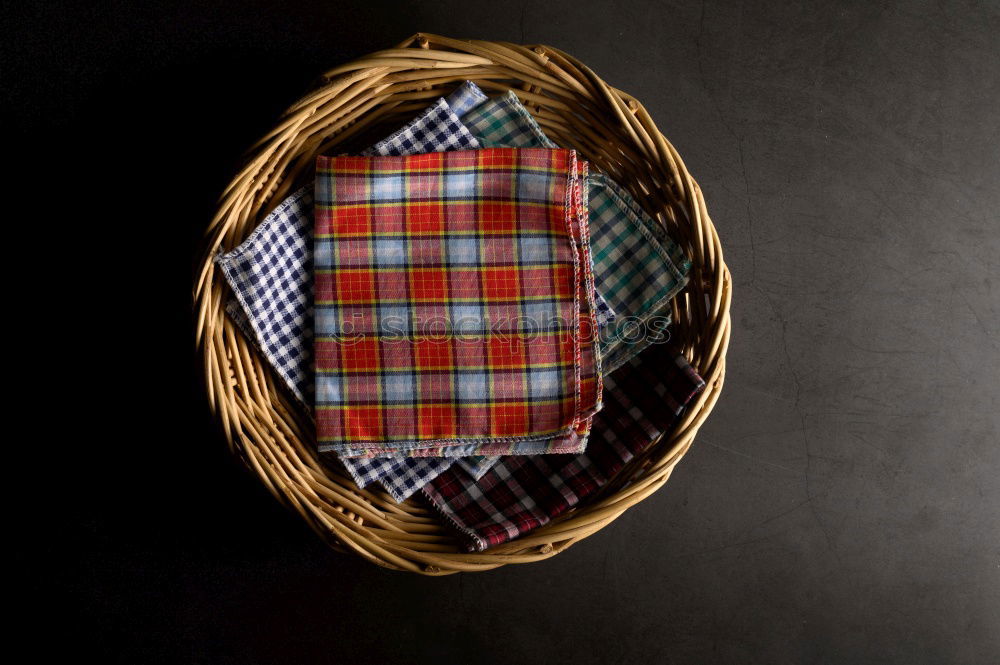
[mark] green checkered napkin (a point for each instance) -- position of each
(638, 269)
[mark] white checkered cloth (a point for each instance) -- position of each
(437, 129)
(271, 277)
(403, 476)
(465, 98)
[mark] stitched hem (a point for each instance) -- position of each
(474, 543)
(570, 210)
(515, 103)
(566, 443)
(441, 443)
(400, 497)
(583, 218)
(239, 250)
(649, 309)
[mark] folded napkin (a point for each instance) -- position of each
(521, 493)
(271, 276)
(589, 376)
(448, 305)
(638, 269)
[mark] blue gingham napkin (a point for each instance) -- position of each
(271, 277)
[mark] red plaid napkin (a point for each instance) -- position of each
(451, 294)
(521, 493)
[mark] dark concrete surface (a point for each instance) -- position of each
(842, 503)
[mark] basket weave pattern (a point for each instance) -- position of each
(576, 109)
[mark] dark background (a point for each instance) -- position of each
(842, 503)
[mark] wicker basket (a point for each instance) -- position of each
(386, 89)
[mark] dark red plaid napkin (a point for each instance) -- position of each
(522, 493)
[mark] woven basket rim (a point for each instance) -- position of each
(266, 428)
